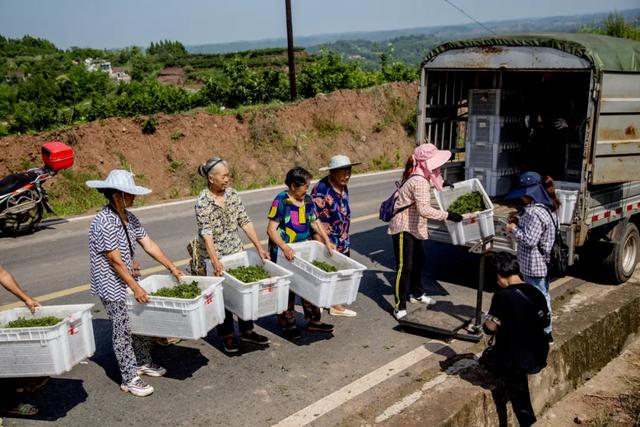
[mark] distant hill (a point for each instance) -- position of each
(409, 45)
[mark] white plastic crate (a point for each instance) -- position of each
(321, 288)
(251, 301)
(52, 350)
(568, 199)
(473, 227)
(494, 129)
(496, 182)
(177, 317)
(499, 155)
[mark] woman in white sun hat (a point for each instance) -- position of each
(331, 199)
(112, 237)
(408, 227)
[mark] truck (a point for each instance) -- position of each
(563, 104)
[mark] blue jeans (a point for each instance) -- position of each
(542, 284)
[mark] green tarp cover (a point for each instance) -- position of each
(603, 52)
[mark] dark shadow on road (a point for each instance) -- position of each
(270, 323)
(443, 262)
(181, 362)
(55, 399)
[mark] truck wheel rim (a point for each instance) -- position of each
(630, 253)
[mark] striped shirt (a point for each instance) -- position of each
(107, 234)
(416, 192)
(535, 235)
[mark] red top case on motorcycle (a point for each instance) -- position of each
(57, 155)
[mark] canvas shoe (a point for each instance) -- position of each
(137, 387)
(399, 314)
(422, 299)
(152, 370)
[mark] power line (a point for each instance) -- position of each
(470, 17)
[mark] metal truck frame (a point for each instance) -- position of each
(606, 219)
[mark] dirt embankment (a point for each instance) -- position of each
(261, 145)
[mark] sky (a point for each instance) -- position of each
(121, 23)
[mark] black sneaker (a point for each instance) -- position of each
(320, 327)
(292, 333)
(254, 338)
(229, 344)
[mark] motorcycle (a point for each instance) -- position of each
(23, 198)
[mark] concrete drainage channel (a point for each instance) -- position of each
(592, 325)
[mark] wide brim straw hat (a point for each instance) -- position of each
(338, 162)
(121, 180)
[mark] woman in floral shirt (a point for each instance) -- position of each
(293, 218)
(331, 198)
(219, 213)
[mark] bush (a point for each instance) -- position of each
(149, 126)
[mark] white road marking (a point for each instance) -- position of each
(361, 385)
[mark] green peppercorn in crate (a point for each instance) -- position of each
(321, 288)
(177, 317)
(475, 226)
(48, 350)
(251, 301)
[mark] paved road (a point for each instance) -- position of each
(204, 386)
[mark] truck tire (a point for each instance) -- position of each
(621, 262)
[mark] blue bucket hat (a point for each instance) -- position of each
(530, 184)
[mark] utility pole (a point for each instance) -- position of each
(292, 64)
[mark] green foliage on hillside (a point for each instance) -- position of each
(42, 87)
(615, 25)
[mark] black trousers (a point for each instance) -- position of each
(226, 328)
(514, 388)
(409, 254)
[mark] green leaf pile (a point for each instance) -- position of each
(37, 322)
(183, 291)
(249, 274)
(468, 203)
(326, 267)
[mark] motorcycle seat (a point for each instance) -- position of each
(14, 181)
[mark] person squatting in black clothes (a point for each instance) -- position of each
(517, 318)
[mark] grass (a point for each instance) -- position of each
(177, 135)
(77, 198)
(327, 127)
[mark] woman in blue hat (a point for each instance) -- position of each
(534, 230)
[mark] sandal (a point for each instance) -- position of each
(24, 410)
(32, 385)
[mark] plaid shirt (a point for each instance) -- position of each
(416, 191)
(535, 235)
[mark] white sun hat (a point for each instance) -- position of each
(122, 180)
(338, 162)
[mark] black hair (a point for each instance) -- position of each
(505, 264)
(108, 193)
(205, 168)
(297, 177)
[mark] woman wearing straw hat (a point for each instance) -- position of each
(112, 236)
(408, 227)
(331, 198)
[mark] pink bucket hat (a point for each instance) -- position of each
(432, 157)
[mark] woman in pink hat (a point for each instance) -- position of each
(408, 227)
